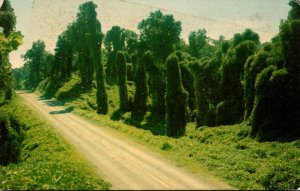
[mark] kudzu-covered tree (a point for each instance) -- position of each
(63, 57)
(201, 102)
(271, 104)
(36, 59)
(89, 53)
(101, 95)
(176, 99)
(254, 65)
(159, 34)
(87, 30)
(7, 18)
(157, 87)
(122, 78)
(114, 41)
(96, 54)
(188, 83)
(141, 91)
(9, 41)
(230, 109)
(276, 112)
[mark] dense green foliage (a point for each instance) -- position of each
(9, 41)
(159, 33)
(114, 41)
(102, 104)
(276, 106)
(176, 99)
(199, 44)
(118, 39)
(121, 62)
(139, 108)
(217, 82)
(7, 18)
(201, 103)
(255, 64)
(11, 137)
(39, 158)
(230, 109)
(225, 79)
(88, 28)
(157, 87)
(36, 62)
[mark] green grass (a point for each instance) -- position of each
(46, 160)
(227, 152)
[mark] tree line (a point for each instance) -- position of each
(210, 81)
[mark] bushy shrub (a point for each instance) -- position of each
(11, 138)
(70, 89)
(281, 177)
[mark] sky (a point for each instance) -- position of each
(46, 19)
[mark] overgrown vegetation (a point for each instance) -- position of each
(33, 156)
(225, 151)
(9, 41)
(241, 82)
(228, 152)
(176, 99)
(226, 80)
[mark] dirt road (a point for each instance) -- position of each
(124, 163)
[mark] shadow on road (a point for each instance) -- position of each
(67, 110)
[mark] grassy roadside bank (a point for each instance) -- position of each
(45, 161)
(226, 152)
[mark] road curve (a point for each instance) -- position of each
(124, 164)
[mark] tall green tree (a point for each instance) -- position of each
(89, 52)
(254, 65)
(102, 100)
(141, 92)
(7, 18)
(63, 57)
(230, 109)
(276, 113)
(88, 27)
(199, 44)
(160, 33)
(157, 86)
(9, 40)
(176, 98)
(35, 60)
(123, 94)
(114, 41)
